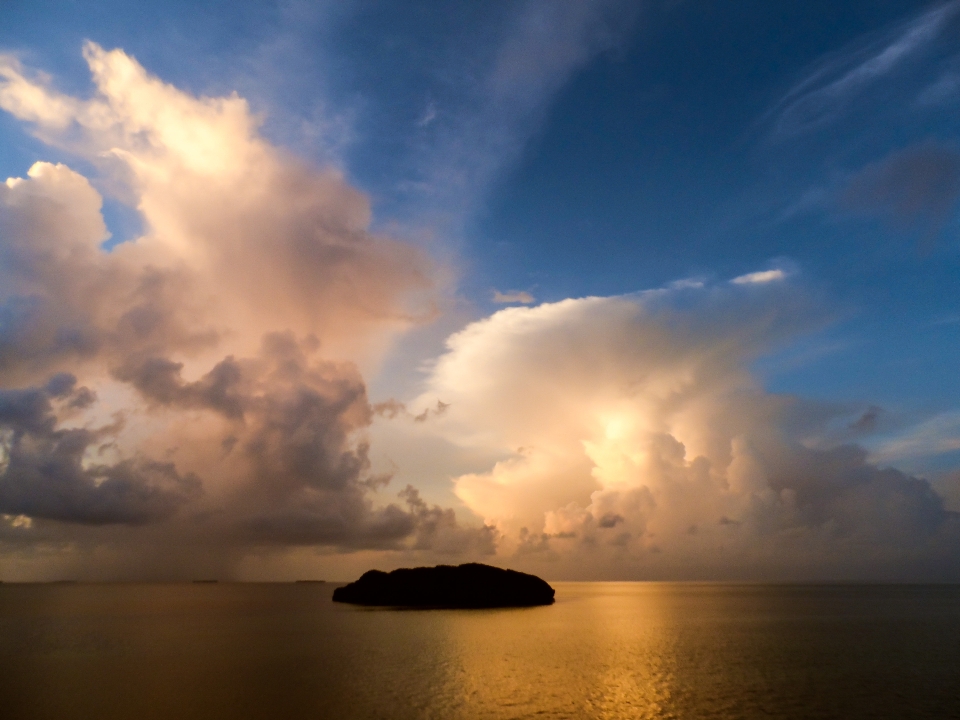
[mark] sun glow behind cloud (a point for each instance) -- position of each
(636, 442)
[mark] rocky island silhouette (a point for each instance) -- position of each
(472, 585)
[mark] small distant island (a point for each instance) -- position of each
(472, 585)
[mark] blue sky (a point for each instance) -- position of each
(652, 153)
(566, 150)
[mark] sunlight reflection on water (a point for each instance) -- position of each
(604, 650)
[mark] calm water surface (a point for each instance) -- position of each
(604, 650)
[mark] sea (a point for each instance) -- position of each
(603, 650)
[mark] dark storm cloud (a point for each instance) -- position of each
(47, 470)
(292, 424)
(294, 417)
(158, 379)
(437, 529)
(347, 519)
(610, 520)
(840, 491)
(344, 519)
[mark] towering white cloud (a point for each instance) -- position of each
(636, 443)
(222, 206)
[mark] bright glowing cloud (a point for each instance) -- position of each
(636, 443)
(763, 276)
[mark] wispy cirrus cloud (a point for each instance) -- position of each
(493, 101)
(937, 435)
(832, 87)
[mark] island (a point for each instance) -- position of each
(472, 585)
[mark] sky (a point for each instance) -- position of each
(596, 289)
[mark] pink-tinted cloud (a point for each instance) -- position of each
(218, 355)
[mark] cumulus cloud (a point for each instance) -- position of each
(636, 442)
(202, 385)
(219, 201)
(52, 472)
(219, 354)
(438, 529)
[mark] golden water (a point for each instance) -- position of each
(604, 650)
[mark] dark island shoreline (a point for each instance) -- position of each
(469, 586)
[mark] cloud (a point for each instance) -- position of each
(917, 187)
(760, 277)
(217, 199)
(51, 472)
(513, 296)
(500, 97)
(827, 92)
(199, 391)
(229, 220)
(429, 115)
(935, 436)
(867, 422)
(624, 422)
(230, 338)
(564, 36)
(439, 531)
